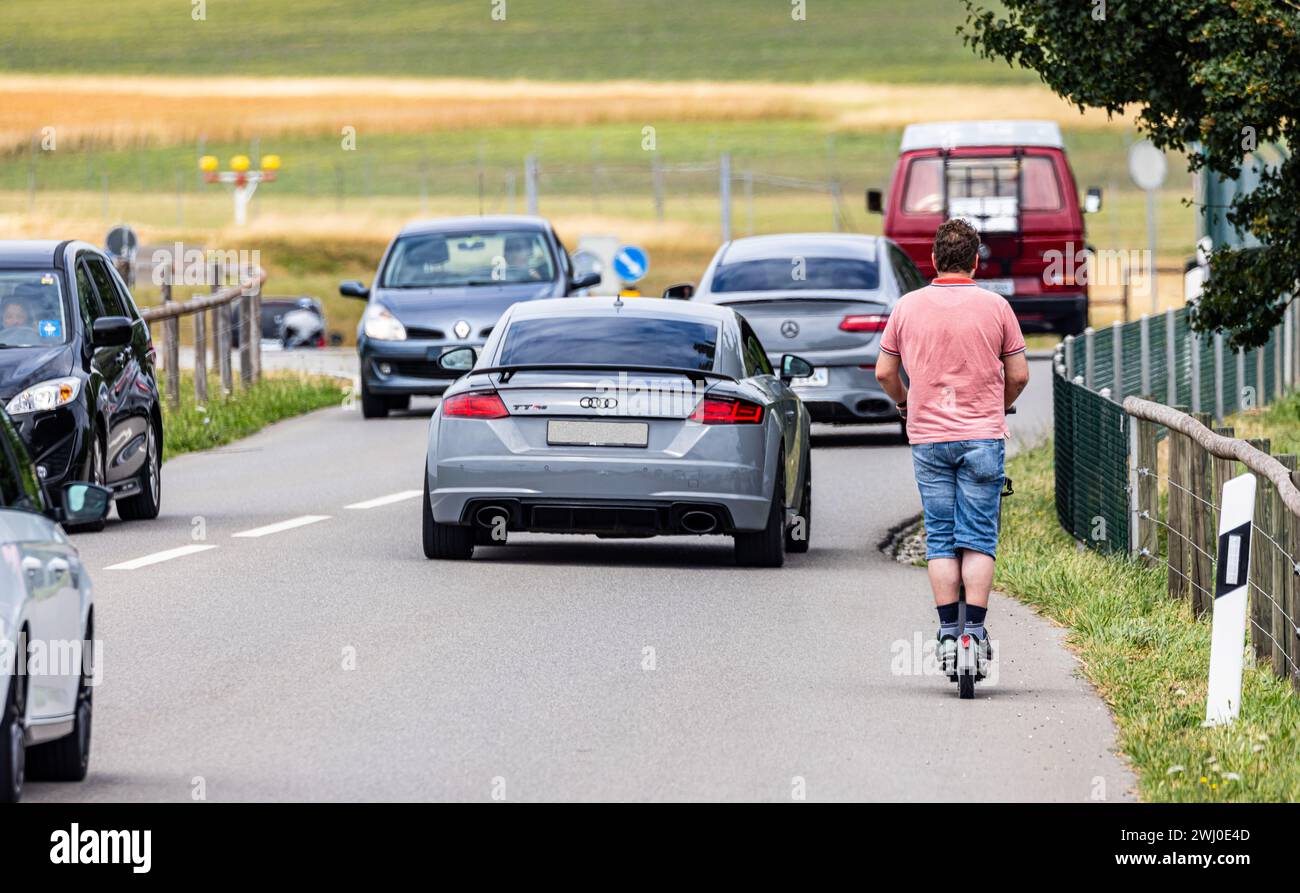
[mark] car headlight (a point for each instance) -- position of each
(382, 325)
(46, 395)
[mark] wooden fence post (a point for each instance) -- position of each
(1179, 572)
(1202, 493)
(172, 345)
(1282, 577)
(257, 330)
(200, 358)
(1148, 495)
(223, 349)
(1293, 593)
(1224, 471)
(245, 300)
(1260, 621)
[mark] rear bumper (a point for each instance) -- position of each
(853, 397)
(412, 366)
(601, 517)
(642, 496)
(1051, 314)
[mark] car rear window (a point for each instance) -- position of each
(981, 177)
(612, 340)
(797, 274)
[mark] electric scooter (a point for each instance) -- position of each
(969, 667)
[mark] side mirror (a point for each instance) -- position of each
(875, 201)
(461, 359)
(793, 367)
(588, 270)
(111, 331)
(354, 289)
(1092, 201)
(683, 292)
(84, 503)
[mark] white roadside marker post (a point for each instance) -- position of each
(1232, 575)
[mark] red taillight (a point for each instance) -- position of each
(474, 405)
(872, 322)
(727, 411)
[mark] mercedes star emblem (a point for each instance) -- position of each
(790, 328)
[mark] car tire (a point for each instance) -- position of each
(766, 547)
(95, 475)
(445, 542)
(372, 406)
(800, 545)
(68, 758)
(13, 740)
(146, 504)
(902, 432)
(400, 403)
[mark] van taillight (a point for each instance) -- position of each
(727, 411)
(474, 405)
(872, 322)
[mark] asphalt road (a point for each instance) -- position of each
(328, 660)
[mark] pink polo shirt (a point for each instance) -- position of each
(952, 337)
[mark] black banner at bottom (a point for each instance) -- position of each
(336, 841)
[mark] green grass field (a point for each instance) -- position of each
(876, 40)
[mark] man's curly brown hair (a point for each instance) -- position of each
(956, 245)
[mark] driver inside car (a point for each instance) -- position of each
(519, 259)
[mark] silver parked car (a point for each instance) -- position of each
(825, 296)
(620, 417)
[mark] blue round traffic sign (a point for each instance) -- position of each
(631, 263)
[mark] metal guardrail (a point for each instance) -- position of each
(217, 305)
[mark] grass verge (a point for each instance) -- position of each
(1149, 658)
(224, 419)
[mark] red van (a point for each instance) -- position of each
(1012, 181)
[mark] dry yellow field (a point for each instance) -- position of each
(130, 111)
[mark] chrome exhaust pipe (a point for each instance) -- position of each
(487, 516)
(699, 522)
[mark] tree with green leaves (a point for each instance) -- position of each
(1210, 78)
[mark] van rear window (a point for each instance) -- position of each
(981, 178)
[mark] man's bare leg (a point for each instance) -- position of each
(945, 573)
(977, 573)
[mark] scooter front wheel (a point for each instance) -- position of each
(965, 686)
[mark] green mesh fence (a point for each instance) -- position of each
(1092, 429)
(1091, 466)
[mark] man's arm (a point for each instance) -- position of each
(1015, 375)
(887, 373)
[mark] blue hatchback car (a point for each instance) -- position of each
(443, 284)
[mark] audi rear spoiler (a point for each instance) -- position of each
(507, 372)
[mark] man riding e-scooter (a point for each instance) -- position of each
(964, 355)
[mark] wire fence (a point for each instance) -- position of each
(1143, 477)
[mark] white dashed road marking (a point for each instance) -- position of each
(386, 500)
(282, 526)
(157, 557)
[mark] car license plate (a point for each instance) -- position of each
(820, 378)
(565, 432)
(1004, 287)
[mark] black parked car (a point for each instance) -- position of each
(441, 285)
(77, 372)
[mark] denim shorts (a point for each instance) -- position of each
(961, 492)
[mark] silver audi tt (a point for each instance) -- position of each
(825, 296)
(620, 417)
